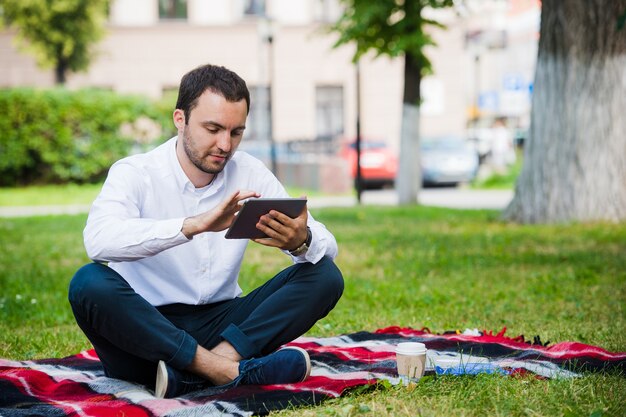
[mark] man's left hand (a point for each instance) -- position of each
(282, 231)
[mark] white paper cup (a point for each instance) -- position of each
(411, 361)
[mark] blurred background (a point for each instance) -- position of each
(474, 115)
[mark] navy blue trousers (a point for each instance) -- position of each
(130, 335)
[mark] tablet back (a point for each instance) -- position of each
(244, 225)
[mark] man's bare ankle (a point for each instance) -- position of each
(226, 350)
(217, 369)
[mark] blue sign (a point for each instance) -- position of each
(488, 101)
(514, 82)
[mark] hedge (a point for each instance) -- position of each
(58, 135)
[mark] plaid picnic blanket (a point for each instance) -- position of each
(76, 385)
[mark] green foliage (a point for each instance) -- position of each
(59, 33)
(52, 136)
(388, 27)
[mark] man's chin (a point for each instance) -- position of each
(213, 168)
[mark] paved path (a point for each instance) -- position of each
(437, 197)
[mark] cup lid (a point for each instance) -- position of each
(411, 348)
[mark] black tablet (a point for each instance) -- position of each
(244, 225)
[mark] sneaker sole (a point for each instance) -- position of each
(307, 359)
(160, 387)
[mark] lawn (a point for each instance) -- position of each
(408, 266)
(83, 194)
(38, 195)
(500, 181)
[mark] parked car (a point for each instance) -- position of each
(379, 165)
(448, 160)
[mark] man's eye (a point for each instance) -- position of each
(213, 131)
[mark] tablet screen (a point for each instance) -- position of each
(244, 225)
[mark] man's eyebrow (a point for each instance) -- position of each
(210, 123)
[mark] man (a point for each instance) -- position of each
(502, 150)
(167, 311)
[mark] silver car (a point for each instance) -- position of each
(447, 160)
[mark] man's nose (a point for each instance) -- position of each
(224, 142)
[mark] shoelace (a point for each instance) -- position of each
(248, 372)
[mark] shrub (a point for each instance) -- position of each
(56, 136)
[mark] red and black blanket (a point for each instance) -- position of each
(76, 385)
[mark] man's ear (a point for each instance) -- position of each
(179, 119)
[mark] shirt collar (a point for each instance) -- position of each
(177, 170)
(183, 182)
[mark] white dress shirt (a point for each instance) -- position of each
(135, 225)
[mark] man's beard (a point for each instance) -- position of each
(198, 160)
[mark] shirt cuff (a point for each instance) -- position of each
(315, 252)
(172, 229)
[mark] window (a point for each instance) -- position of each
(258, 123)
(254, 8)
(172, 9)
(327, 11)
(328, 111)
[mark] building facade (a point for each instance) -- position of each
(283, 50)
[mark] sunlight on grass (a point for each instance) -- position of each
(49, 195)
(83, 194)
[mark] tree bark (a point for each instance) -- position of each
(575, 158)
(60, 70)
(409, 181)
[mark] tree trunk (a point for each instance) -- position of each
(575, 158)
(60, 71)
(409, 181)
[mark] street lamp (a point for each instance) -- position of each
(359, 172)
(266, 30)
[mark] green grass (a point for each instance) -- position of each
(407, 266)
(41, 195)
(500, 181)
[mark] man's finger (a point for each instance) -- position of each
(267, 242)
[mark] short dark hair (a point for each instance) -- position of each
(219, 80)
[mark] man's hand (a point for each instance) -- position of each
(219, 218)
(282, 231)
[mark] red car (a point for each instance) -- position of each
(379, 164)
